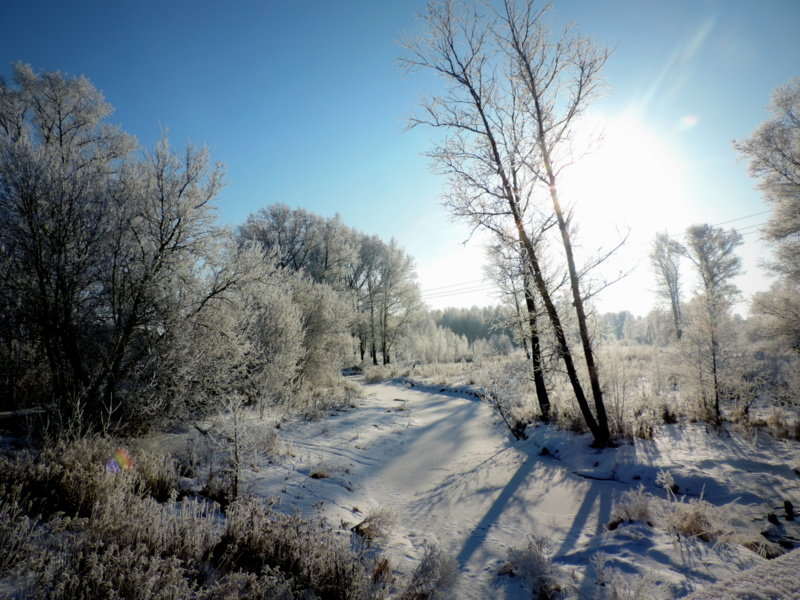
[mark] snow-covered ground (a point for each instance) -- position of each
(446, 470)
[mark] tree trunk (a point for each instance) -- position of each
(601, 439)
(577, 301)
(522, 335)
(536, 353)
(714, 354)
(676, 317)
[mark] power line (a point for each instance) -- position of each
(763, 212)
(469, 287)
(442, 287)
(471, 290)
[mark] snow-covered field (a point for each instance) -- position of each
(441, 467)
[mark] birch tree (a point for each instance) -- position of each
(513, 95)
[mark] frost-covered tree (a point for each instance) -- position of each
(398, 296)
(665, 259)
(514, 93)
(116, 283)
(509, 268)
(323, 248)
(377, 278)
(427, 342)
(712, 251)
(326, 317)
(774, 153)
(780, 305)
(58, 161)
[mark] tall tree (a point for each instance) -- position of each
(774, 153)
(665, 258)
(513, 97)
(114, 266)
(398, 296)
(559, 82)
(711, 250)
(58, 159)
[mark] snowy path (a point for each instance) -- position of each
(447, 470)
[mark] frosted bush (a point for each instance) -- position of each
(434, 576)
(376, 525)
(535, 565)
(634, 505)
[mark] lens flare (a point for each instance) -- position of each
(121, 461)
(688, 122)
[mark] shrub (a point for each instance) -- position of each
(72, 477)
(89, 570)
(434, 576)
(613, 584)
(185, 529)
(375, 374)
(695, 518)
(248, 586)
(634, 505)
(375, 526)
(18, 534)
(257, 538)
(537, 568)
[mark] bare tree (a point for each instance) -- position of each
(665, 258)
(711, 250)
(560, 81)
(513, 96)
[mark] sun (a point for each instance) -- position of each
(630, 183)
(629, 176)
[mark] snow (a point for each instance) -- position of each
(777, 578)
(447, 470)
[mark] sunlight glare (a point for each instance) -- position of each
(630, 182)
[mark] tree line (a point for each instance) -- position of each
(123, 303)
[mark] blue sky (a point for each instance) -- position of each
(305, 104)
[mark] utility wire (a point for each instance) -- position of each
(469, 287)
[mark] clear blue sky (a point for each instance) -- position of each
(304, 102)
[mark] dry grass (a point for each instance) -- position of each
(18, 534)
(119, 541)
(681, 518)
(433, 578)
(309, 552)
